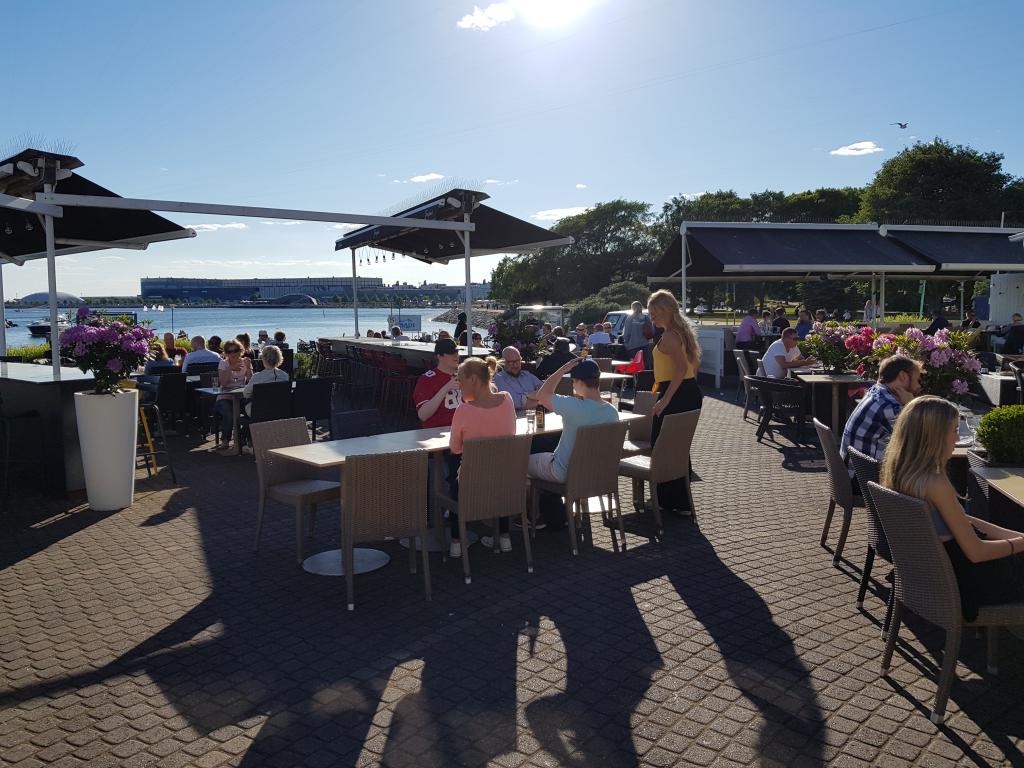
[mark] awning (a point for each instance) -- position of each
(729, 252)
(960, 250)
(496, 232)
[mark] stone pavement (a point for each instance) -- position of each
(156, 636)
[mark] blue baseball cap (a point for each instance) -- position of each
(587, 370)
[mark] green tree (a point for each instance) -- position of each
(825, 205)
(937, 181)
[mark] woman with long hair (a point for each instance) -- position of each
(676, 360)
(484, 412)
(987, 559)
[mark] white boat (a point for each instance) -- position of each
(42, 327)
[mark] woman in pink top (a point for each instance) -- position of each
(484, 412)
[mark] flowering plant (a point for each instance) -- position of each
(949, 365)
(510, 332)
(108, 347)
(827, 342)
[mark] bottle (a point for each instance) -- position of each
(585, 351)
(540, 418)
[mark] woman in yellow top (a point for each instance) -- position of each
(676, 360)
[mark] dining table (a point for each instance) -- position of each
(838, 382)
(236, 394)
(1009, 481)
(327, 455)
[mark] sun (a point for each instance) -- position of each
(551, 13)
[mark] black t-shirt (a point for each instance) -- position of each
(780, 324)
(937, 325)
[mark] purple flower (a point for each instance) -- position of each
(960, 386)
(915, 334)
(942, 334)
(114, 364)
(940, 357)
(83, 312)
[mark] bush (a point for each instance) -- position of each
(1002, 433)
(620, 295)
(30, 353)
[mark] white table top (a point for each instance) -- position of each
(1009, 481)
(832, 378)
(333, 453)
(608, 376)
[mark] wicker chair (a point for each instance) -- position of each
(670, 460)
(592, 471)
(492, 484)
(375, 507)
(779, 398)
(749, 393)
(639, 442)
(1018, 374)
(286, 481)
(867, 469)
(927, 586)
(840, 490)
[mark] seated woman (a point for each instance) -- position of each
(234, 371)
(150, 379)
(484, 412)
(986, 558)
(272, 359)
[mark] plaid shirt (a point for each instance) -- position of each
(870, 425)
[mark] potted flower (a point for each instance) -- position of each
(949, 365)
(107, 417)
(1001, 432)
(827, 342)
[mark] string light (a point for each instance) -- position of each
(7, 229)
(28, 225)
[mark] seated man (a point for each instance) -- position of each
(585, 409)
(970, 321)
(939, 322)
(1013, 343)
(437, 395)
(870, 425)
(749, 333)
(783, 354)
(199, 354)
(513, 379)
(558, 357)
(397, 334)
(599, 336)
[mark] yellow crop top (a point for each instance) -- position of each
(665, 368)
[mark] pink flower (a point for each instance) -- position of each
(960, 386)
(114, 365)
(860, 369)
(939, 357)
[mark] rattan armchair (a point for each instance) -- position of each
(927, 586)
(670, 460)
(639, 442)
(840, 489)
(867, 470)
(592, 471)
(384, 496)
(286, 481)
(780, 399)
(492, 484)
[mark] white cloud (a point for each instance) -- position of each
(857, 148)
(581, 186)
(485, 19)
(381, 175)
(426, 177)
(215, 227)
(913, 138)
(345, 227)
(492, 181)
(111, 257)
(500, 183)
(554, 214)
(290, 223)
(164, 169)
(692, 195)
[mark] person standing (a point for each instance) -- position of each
(676, 360)
(637, 332)
(436, 394)
(460, 327)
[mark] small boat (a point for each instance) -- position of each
(10, 324)
(42, 327)
(159, 308)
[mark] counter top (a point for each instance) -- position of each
(40, 374)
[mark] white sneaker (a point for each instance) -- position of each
(455, 549)
(504, 542)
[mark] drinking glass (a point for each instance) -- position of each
(531, 420)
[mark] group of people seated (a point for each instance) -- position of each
(479, 398)
(914, 437)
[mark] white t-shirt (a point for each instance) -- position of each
(771, 365)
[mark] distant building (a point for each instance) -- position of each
(320, 288)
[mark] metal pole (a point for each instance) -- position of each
(469, 294)
(961, 299)
(3, 315)
(355, 292)
(51, 279)
(682, 249)
(881, 298)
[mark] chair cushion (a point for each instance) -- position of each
(305, 490)
(636, 466)
(635, 447)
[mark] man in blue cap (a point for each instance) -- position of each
(583, 410)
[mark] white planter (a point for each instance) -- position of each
(107, 430)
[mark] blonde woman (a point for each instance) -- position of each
(676, 360)
(986, 558)
(484, 412)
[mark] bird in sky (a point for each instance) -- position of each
(901, 125)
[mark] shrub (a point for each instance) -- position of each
(29, 353)
(1002, 433)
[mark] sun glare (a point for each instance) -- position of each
(551, 13)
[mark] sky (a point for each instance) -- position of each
(549, 106)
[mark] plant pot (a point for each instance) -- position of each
(107, 431)
(978, 456)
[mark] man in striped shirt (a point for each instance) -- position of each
(870, 425)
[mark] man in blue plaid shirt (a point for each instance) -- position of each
(870, 425)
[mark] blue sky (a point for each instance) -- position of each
(548, 105)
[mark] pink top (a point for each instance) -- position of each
(473, 421)
(748, 329)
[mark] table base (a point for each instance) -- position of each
(329, 563)
(436, 541)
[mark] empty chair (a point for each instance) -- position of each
(604, 363)
(271, 401)
(375, 507)
(312, 399)
(172, 396)
(867, 470)
(492, 484)
(639, 441)
(927, 586)
(749, 393)
(592, 471)
(840, 489)
(670, 460)
(286, 481)
(345, 424)
(288, 362)
(198, 369)
(780, 398)
(1018, 374)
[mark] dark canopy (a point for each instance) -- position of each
(967, 250)
(496, 232)
(22, 236)
(731, 252)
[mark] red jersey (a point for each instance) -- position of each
(428, 385)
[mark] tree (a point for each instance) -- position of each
(616, 296)
(825, 205)
(937, 181)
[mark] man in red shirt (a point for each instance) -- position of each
(437, 394)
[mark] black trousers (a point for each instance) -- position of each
(672, 495)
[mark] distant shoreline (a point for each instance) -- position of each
(138, 307)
